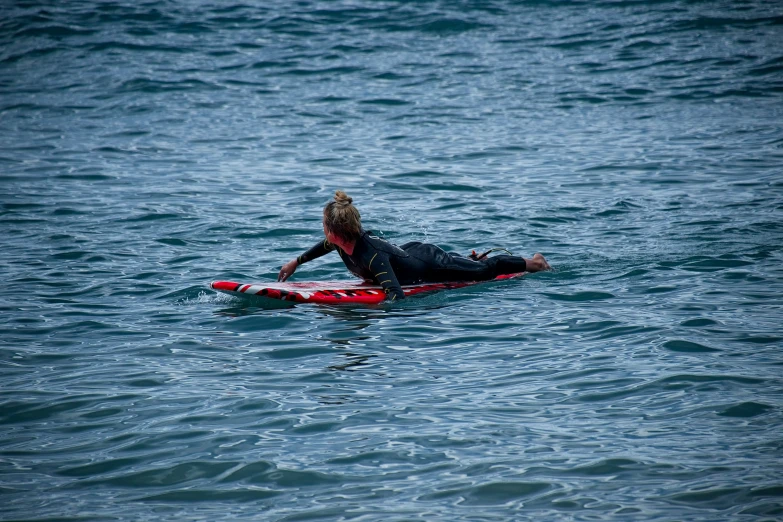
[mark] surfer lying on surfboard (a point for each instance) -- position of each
(390, 266)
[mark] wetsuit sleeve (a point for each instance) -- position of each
(319, 249)
(381, 268)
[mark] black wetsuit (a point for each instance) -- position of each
(375, 259)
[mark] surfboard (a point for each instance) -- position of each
(335, 292)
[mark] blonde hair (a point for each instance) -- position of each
(342, 218)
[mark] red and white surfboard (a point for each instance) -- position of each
(335, 292)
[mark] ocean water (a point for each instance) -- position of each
(148, 148)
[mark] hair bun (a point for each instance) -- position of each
(342, 199)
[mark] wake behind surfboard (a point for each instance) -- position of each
(335, 292)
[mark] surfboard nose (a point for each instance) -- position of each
(225, 285)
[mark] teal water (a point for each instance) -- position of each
(147, 149)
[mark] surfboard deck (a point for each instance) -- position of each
(335, 292)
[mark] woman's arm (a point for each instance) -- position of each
(380, 266)
(319, 249)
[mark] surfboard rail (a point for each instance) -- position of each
(335, 292)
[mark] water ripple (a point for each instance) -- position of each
(147, 149)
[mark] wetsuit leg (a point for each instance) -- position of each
(436, 265)
(504, 264)
(460, 268)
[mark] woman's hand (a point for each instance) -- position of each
(287, 270)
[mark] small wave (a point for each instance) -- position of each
(490, 494)
(159, 86)
(683, 346)
(711, 23)
(450, 26)
(128, 46)
(54, 31)
(773, 66)
(580, 296)
(385, 101)
(746, 410)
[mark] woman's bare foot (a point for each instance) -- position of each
(537, 264)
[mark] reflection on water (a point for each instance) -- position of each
(353, 360)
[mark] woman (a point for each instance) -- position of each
(374, 259)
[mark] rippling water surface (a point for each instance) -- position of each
(147, 148)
